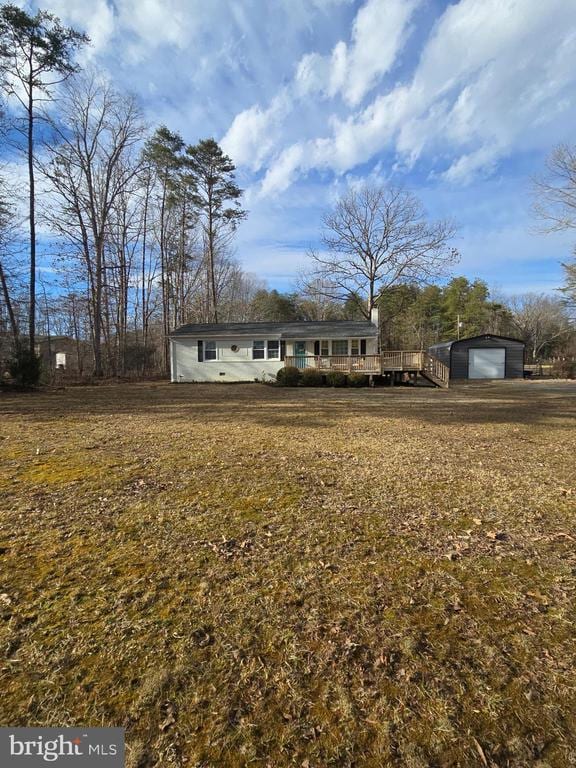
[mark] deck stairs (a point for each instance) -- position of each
(427, 366)
(435, 371)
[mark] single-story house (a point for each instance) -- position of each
(250, 351)
(482, 357)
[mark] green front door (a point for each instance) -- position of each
(300, 354)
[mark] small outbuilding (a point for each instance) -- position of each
(482, 357)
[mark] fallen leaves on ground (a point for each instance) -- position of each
(244, 575)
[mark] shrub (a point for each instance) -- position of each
(311, 377)
(564, 369)
(357, 380)
(288, 376)
(336, 379)
(25, 368)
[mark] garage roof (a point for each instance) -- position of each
(448, 344)
(327, 329)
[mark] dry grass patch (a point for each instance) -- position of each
(252, 576)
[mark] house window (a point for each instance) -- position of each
(266, 350)
(209, 350)
(355, 347)
(340, 347)
(324, 348)
(60, 359)
(258, 350)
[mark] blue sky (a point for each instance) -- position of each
(460, 102)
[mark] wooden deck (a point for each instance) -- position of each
(388, 362)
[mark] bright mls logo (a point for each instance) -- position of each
(90, 747)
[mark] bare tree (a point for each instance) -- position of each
(315, 297)
(378, 237)
(542, 322)
(92, 167)
(123, 243)
(6, 214)
(236, 293)
(555, 191)
(555, 205)
(568, 290)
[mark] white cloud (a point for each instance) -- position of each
(200, 30)
(353, 141)
(378, 34)
(95, 18)
(351, 70)
(337, 86)
(338, 68)
(159, 22)
(283, 172)
(465, 167)
(312, 74)
(494, 76)
(380, 30)
(254, 132)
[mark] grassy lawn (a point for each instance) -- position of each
(243, 575)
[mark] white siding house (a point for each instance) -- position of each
(256, 351)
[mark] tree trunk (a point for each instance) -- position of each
(180, 314)
(211, 262)
(32, 306)
(206, 248)
(164, 281)
(97, 321)
(124, 317)
(75, 326)
(10, 308)
(48, 332)
(144, 283)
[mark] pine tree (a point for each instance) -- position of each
(216, 197)
(36, 53)
(163, 152)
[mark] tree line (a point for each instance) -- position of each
(414, 316)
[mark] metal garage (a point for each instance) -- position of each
(485, 357)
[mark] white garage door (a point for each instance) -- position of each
(486, 363)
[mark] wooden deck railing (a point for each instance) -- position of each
(343, 363)
(387, 361)
(437, 370)
(401, 361)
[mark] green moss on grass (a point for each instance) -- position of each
(301, 578)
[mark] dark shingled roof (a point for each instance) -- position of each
(448, 344)
(327, 329)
